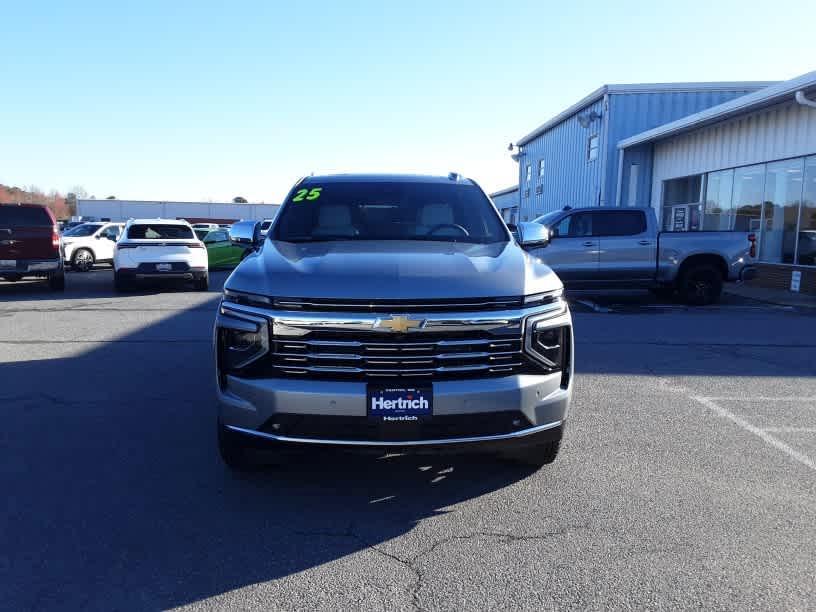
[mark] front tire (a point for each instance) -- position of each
(82, 261)
(234, 450)
(701, 285)
(537, 455)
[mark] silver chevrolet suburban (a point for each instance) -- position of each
(391, 313)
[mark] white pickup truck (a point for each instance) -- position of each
(596, 248)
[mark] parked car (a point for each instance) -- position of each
(151, 249)
(90, 243)
(30, 244)
(220, 251)
(205, 226)
(391, 312)
(622, 248)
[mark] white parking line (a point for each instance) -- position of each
(763, 398)
(790, 429)
(763, 434)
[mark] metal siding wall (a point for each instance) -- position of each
(633, 113)
(569, 179)
(122, 210)
(642, 156)
(507, 200)
(786, 130)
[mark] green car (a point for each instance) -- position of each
(221, 253)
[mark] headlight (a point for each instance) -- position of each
(242, 339)
(549, 346)
(242, 297)
(549, 297)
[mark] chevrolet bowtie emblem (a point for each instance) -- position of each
(399, 324)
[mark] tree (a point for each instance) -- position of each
(239, 200)
(111, 198)
(71, 204)
(79, 191)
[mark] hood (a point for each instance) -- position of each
(392, 269)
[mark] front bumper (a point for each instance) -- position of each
(513, 410)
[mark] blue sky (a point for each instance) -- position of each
(208, 100)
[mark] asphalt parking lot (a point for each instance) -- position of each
(687, 478)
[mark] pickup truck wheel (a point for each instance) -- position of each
(83, 260)
(701, 285)
(56, 281)
(233, 450)
(538, 455)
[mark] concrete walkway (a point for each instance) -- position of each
(771, 296)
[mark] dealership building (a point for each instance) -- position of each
(507, 201)
(705, 156)
(746, 165)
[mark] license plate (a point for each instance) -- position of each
(8, 263)
(164, 267)
(399, 403)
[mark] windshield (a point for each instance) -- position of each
(373, 210)
(86, 229)
(548, 218)
(160, 231)
(201, 234)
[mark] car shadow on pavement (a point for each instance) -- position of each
(114, 496)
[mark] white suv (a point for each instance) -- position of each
(90, 243)
(160, 248)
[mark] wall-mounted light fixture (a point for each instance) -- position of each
(588, 118)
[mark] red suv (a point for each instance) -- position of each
(30, 244)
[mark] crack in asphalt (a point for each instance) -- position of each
(410, 563)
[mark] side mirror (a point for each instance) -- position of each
(246, 234)
(533, 235)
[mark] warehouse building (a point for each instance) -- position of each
(573, 159)
(507, 201)
(214, 212)
(748, 164)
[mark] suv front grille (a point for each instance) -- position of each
(432, 305)
(342, 357)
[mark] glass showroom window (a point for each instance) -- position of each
(749, 185)
(783, 192)
(681, 203)
(806, 252)
(718, 214)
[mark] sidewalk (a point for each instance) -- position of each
(771, 296)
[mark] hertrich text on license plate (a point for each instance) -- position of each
(399, 403)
